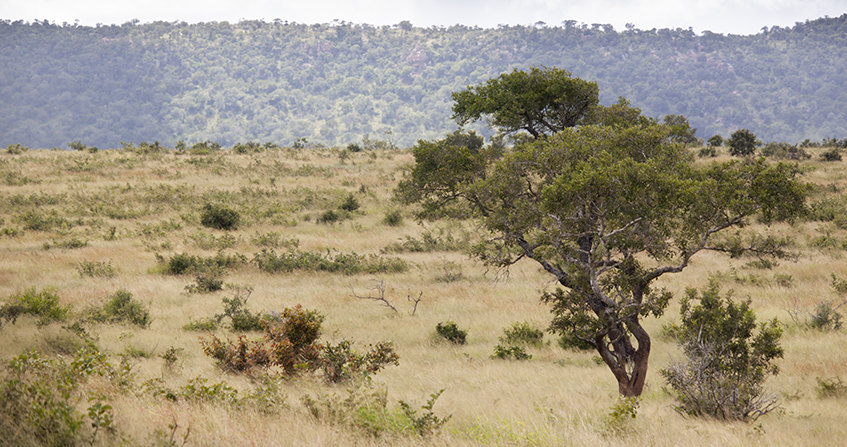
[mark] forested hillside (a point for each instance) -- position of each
(334, 84)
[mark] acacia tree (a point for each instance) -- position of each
(540, 102)
(606, 210)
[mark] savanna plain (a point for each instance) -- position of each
(129, 280)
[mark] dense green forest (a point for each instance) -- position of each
(338, 83)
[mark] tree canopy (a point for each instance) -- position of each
(540, 101)
(606, 210)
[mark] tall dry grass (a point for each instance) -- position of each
(130, 207)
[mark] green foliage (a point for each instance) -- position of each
(522, 333)
(833, 154)
(726, 79)
(43, 304)
(707, 152)
(199, 389)
(742, 143)
(726, 362)
(219, 217)
(621, 415)
(347, 263)
(206, 281)
(121, 308)
(95, 269)
(427, 422)
(540, 101)
(38, 221)
(826, 317)
(784, 151)
(15, 149)
(183, 263)
(328, 216)
(428, 241)
(512, 352)
(393, 218)
(350, 204)
(39, 399)
(367, 410)
(341, 364)
(451, 332)
(831, 387)
(715, 141)
(606, 210)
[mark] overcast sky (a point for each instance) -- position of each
(720, 16)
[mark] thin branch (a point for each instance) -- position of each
(379, 287)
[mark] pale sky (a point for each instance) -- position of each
(719, 16)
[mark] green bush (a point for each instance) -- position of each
(183, 263)
(350, 204)
(37, 221)
(826, 317)
(96, 269)
(219, 217)
(393, 218)
(510, 352)
(707, 152)
(121, 308)
(726, 362)
(831, 387)
(15, 149)
(43, 304)
(348, 263)
(833, 154)
(206, 281)
(328, 216)
(451, 332)
(715, 141)
(522, 334)
(40, 399)
(784, 151)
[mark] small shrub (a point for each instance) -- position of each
(715, 141)
(622, 414)
(43, 304)
(833, 154)
(839, 285)
(41, 399)
(183, 263)
(170, 356)
(826, 317)
(450, 272)
(350, 204)
(347, 263)
(328, 216)
(707, 152)
(427, 422)
(340, 363)
(122, 308)
(451, 332)
(726, 363)
(205, 324)
(206, 281)
(522, 334)
(832, 387)
(96, 269)
(198, 389)
(15, 149)
(353, 147)
(510, 352)
(36, 221)
(784, 151)
(393, 218)
(219, 217)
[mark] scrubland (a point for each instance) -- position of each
(83, 226)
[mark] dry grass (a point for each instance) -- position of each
(130, 207)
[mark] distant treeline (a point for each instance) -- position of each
(334, 84)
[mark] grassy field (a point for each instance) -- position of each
(85, 225)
